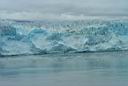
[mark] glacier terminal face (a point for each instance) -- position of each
(44, 37)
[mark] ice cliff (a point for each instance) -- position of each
(43, 37)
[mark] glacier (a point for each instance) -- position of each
(19, 37)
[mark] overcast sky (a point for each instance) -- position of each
(76, 7)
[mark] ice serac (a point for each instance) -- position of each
(43, 37)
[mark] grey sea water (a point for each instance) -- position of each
(81, 69)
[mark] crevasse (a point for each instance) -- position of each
(43, 37)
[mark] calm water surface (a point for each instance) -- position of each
(83, 69)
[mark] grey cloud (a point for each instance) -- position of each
(86, 7)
